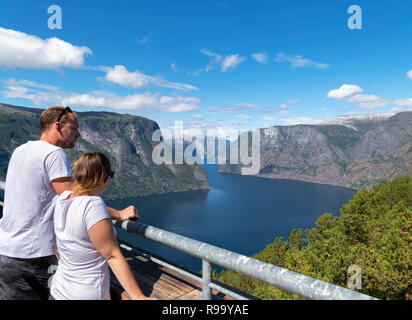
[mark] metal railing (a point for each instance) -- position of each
(2, 187)
(221, 287)
(281, 278)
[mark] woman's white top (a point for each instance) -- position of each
(82, 273)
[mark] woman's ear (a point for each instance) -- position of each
(107, 180)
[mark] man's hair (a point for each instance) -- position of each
(50, 116)
(89, 172)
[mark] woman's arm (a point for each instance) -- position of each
(103, 238)
(128, 213)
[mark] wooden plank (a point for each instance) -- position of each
(156, 270)
(161, 286)
(172, 279)
(191, 295)
(160, 282)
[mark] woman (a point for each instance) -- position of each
(85, 238)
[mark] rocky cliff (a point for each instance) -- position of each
(125, 139)
(355, 152)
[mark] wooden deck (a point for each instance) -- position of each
(160, 282)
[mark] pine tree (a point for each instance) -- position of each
(373, 232)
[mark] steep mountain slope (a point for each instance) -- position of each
(125, 139)
(354, 152)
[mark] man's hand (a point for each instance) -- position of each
(130, 213)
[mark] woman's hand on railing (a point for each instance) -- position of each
(129, 213)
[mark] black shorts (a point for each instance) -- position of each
(26, 279)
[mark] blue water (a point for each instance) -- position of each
(241, 213)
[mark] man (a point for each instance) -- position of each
(38, 171)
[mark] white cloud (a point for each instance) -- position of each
(369, 101)
(178, 104)
(268, 118)
(237, 107)
(27, 83)
(16, 92)
(351, 93)
(403, 102)
(101, 99)
(208, 128)
(225, 62)
(21, 50)
(231, 61)
(216, 59)
(244, 116)
(409, 74)
(136, 80)
(198, 117)
(87, 100)
(260, 57)
(344, 92)
(121, 76)
(297, 61)
(300, 120)
(284, 106)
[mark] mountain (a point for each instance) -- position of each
(355, 151)
(125, 139)
(361, 123)
(206, 151)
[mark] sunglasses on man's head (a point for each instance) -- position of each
(67, 109)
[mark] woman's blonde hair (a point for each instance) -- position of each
(89, 172)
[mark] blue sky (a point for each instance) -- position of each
(212, 64)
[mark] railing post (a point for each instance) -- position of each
(284, 279)
(206, 280)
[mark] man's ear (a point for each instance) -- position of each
(58, 126)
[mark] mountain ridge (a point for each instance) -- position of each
(125, 139)
(379, 148)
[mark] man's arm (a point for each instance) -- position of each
(62, 184)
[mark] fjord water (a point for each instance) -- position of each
(241, 213)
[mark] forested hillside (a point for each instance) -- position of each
(373, 232)
(125, 139)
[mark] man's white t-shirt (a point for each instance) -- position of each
(26, 229)
(82, 273)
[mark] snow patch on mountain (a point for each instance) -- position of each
(351, 121)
